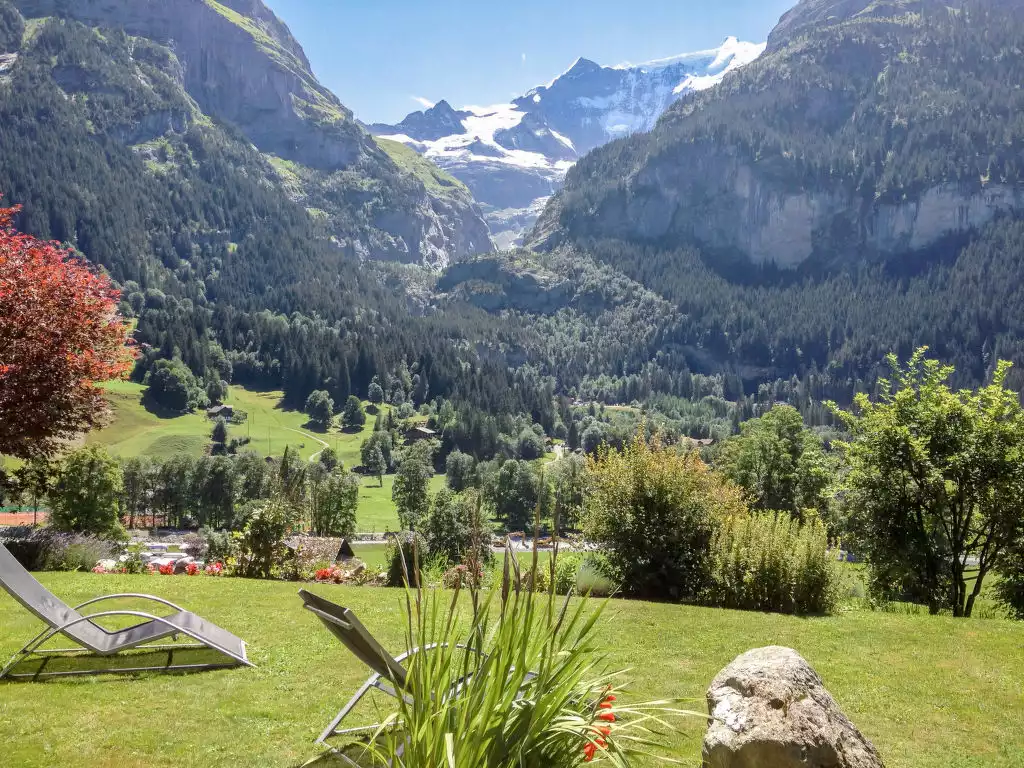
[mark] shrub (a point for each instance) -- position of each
(567, 570)
(45, 549)
(654, 511)
(220, 545)
(83, 554)
(593, 578)
(194, 545)
(1010, 587)
(453, 529)
(262, 551)
(772, 562)
(489, 710)
(408, 547)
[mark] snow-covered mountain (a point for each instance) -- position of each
(514, 156)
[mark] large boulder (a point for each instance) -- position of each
(769, 709)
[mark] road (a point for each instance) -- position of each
(316, 455)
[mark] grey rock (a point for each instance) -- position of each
(770, 709)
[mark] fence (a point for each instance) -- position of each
(22, 516)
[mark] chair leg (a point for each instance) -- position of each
(330, 730)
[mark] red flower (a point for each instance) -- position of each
(191, 569)
(588, 751)
(608, 717)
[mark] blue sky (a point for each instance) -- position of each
(379, 56)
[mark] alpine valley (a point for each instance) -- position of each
(701, 236)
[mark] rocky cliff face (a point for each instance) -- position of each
(725, 205)
(829, 146)
(239, 64)
(514, 156)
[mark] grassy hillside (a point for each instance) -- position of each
(930, 692)
(136, 431)
(436, 181)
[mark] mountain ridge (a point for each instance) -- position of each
(240, 65)
(515, 155)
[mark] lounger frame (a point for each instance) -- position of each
(18, 582)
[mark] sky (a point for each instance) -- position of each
(386, 58)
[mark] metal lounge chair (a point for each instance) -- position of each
(388, 675)
(97, 641)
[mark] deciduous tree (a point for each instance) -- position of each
(87, 492)
(410, 493)
(935, 491)
(60, 335)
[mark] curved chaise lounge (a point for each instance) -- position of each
(100, 642)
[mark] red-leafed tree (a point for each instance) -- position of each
(60, 335)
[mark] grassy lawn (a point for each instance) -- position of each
(929, 691)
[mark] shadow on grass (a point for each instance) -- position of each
(142, 663)
(157, 409)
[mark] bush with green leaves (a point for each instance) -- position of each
(773, 562)
(453, 529)
(47, 549)
(567, 571)
(654, 512)
(515, 679)
(1010, 587)
(86, 496)
(406, 554)
(220, 545)
(262, 553)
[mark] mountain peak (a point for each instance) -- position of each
(582, 66)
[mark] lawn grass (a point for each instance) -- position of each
(929, 691)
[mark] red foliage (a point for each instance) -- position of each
(60, 335)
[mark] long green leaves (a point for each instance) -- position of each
(520, 679)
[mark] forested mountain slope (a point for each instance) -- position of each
(153, 76)
(858, 189)
(184, 147)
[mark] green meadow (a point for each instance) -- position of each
(930, 692)
(136, 431)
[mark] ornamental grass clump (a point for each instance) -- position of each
(516, 678)
(772, 562)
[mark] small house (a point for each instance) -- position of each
(220, 411)
(418, 433)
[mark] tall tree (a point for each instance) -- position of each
(320, 409)
(139, 482)
(333, 499)
(779, 462)
(935, 490)
(33, 481)
(411, 492)
(353, 416)
(60, 335)
(513, 493)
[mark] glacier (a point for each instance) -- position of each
(513, 156)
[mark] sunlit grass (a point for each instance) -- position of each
(930, 692)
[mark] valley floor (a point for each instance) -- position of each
(929, 691)
(136, 431)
